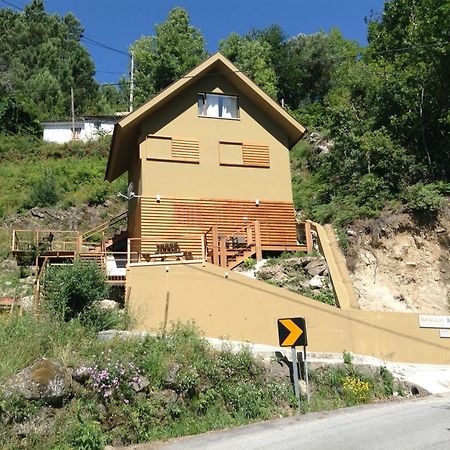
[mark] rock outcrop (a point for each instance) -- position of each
(44, 380)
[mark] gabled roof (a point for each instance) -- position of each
(127, 131)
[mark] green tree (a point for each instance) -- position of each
(160, 60)
(15, 119)
(253, 57)
(386, 114)
(410, 41)
(311, 64)
(42, 58)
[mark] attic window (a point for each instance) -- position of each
(218, 106)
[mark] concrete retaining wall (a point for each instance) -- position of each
(229, 305)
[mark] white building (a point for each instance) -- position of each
(85, 129)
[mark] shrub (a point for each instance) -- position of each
(98, 195)
(248, 264)
(113, 380)
(70, 290)
(105, 319)
(423, 198)
(356, 390)
(43, 191)
(85, 434)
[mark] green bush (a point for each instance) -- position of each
(98, 194)
(424, 198)
(104, 319)
(248, 264)
(70, 290)
(85, 434)
(43, 191)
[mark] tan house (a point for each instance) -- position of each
(208, 167)
(209, 185)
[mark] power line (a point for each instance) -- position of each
(111, 73)
(101, 45)
(412, 47)
(88, 39)
(13, 6)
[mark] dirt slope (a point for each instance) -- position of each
(398, 265)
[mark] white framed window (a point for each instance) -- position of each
(218, 106)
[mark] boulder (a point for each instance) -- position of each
(272, 273)
(44, 380)
(107, 304)
(316, 282)
(81, 374)
(316, 267)
(170, 380)
(140, 383)
(42, 423)
(27, 303)
(36, 213)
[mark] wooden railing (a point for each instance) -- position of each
(103, 226)
(304, 236)
(146, 249)
(221, 248)
(42, 241)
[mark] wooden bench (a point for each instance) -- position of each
(169, 250)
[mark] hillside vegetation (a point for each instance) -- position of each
(379, 115)
(137, 390)
(34, 173)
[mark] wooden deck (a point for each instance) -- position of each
(189, 240)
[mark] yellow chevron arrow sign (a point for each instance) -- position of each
(292, 332)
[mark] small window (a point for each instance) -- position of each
(218, 105)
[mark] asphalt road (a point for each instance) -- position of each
(409, 424)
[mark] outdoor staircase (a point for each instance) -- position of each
(237, 256)
(96, 257)
(100, 228)
(231, 250)
(118, 237)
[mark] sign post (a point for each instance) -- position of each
(295, 374)
(292, 333)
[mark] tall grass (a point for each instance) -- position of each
(25, 339)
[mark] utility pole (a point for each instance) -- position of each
(131, 83)
(73, 113)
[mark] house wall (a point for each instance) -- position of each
(61, 132)
(229, 305)
(182, 161)
(206, 178)
(185, 220)
(94, 129)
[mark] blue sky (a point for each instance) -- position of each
(119, 23)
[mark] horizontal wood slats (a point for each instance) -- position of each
(185, 220)
(255, 155)
(185, 149)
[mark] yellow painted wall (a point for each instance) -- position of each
(242, 309)
(179, 119)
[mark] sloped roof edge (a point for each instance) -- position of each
(126, 125)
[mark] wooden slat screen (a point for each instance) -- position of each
(255, 155)
(185, 149)
(185, 220)
(165, 148)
